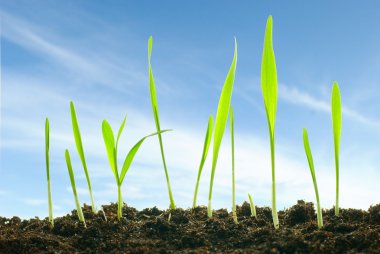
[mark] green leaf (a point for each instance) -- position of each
(110, 147)
(269, 77)
(152, 86)
(120, 131)
(129, 158)
(221, 119)
(308, 153)
(336, 115)
(206, 146)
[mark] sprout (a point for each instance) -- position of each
(111, 148)
(206, 146)
(78, 143)
(269, 91)
(221, 121)
(252, 205)
(312, 171)
(47, 151)
(234, 216)
(72, 180)
(336, 110)
(153, 98)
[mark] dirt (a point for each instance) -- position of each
(191, 231)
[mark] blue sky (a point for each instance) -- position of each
(95, 53)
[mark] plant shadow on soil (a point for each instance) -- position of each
(191, 231)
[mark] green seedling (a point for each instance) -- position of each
(153, 98)
(252, 205)
(206, 146)
(111, 148)
(78, 143)
(221, 121)
(47, 156)
(234, 216)
(312, 171)
(72, 180)
(336, 110)
(269, 91)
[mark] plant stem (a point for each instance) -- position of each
(337, 183)
(47, 147)
(119, 202)
(274, 207)
(234, 216)
(252, 205)
(319, 211)
(196, 187)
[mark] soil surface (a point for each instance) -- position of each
(191, 231)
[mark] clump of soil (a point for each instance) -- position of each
(190, 231)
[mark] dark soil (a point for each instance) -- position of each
(190, 231)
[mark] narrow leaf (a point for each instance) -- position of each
(120, 131)
(131, 154)
(110, 147)
(269, 77)
(336, 115)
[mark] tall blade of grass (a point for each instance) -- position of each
(206, 146)
(336, 110)
(153, 98)
(252, 205)
(269, 91)
(129, 158)
(312, 171)
(221, 121)
(79, 145)
(72, 180)
(47, 157)
(234, 216)
(109, 142)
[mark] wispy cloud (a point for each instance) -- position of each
(295, 96)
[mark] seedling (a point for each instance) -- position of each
(336, 110)
(221, 121)
(252, 205)
(153, 98)
(269, 91)
(72, 180)
(312, 171)
(78, 143)
(206, 146)
(234, 216)
(111, 148)
(47, 152)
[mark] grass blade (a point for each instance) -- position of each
(312, 171)
(120, 131)
(336, 110)
(47, 157)
(79, 145)
(252, 205)
(109, 142)
(206, 146)
(153, 97)
(221, 121)
(234, 216)
(269, 91)
(72, 180)
(129, 158)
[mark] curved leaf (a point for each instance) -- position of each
(131, 155)
(110, 147)
(120, 131)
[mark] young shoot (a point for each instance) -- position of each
(72, 180)
(312, 171)
(252, 205)
(206, 146)
(221, 121)
(234, 216)
(47, 156)
(153, 98)
(269, 91)
(78, 143)
(111, 148)
(336, 110)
